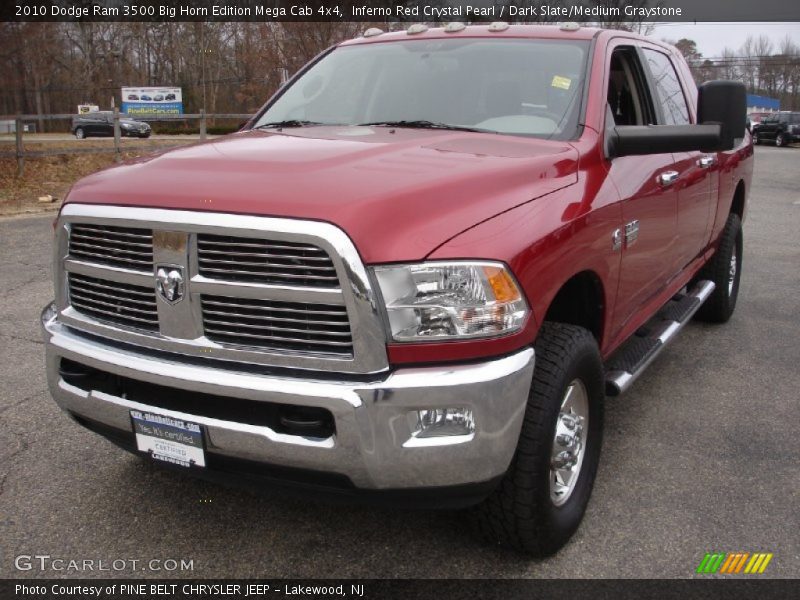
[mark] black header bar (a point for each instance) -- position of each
(400, 11)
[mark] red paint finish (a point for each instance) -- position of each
(397, 193)
(547, 209)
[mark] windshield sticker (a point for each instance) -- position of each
(561, 82)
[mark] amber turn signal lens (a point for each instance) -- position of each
(505, 290)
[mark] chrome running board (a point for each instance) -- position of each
(636, 354)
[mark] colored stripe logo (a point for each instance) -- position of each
(733, 563)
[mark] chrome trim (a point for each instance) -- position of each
(175, 243)
(370, 417)
(631, 233)
(667, 178)
(618, 382)
(709, 160)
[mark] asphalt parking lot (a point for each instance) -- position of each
(700, 456)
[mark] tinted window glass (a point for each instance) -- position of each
(668, 89)
(527, 87)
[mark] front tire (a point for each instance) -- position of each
(779, 140)
(80, 133)
(541, 500)
(756, 139)
(725, 270)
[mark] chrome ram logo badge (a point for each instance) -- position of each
(169, 283)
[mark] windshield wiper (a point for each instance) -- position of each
(288, 123)
(422, 124)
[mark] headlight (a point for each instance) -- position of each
(125, 125)
(436, 300)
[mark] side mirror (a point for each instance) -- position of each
(723, 102)
(631, 140)
(721, 117)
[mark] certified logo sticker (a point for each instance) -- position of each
(734, 563)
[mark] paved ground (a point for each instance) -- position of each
(701, 455)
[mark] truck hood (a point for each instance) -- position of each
(398, 193)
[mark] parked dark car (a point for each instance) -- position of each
(169, 97)
(101, 124)
(754, 120)
(782, 128)
(133, 97)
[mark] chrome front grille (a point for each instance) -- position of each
(265, 261)
(258, 290)
(130, 305)
(126, 247)
(319, 328)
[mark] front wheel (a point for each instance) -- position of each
(725, 270)
(79, 133)
(756, 139)
(779, 140)
(541, 500)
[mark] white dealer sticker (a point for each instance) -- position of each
(169, 440)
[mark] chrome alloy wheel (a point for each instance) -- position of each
(732, 272)
(569, 442)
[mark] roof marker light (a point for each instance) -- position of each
(570, 26)
(372, 32)
(417, 28)
(498, 26)
(454, 27)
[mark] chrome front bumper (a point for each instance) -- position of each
(371, 444)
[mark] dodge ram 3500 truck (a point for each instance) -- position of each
(414, 275)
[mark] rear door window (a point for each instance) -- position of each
(669, 94)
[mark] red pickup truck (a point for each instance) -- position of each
(414, 276)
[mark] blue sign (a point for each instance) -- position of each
(151, 101)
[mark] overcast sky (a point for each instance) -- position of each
(712, 38)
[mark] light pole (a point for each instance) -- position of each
(114, 55)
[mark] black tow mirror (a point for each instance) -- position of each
(723, 102)
(721, 114)
(632, 140)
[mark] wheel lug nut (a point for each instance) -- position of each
(566, 440)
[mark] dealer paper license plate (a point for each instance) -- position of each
(171, 440)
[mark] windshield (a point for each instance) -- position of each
(511, 86)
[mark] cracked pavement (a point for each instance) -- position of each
(698, 456)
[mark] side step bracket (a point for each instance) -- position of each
(641, 349)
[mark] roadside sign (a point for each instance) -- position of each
(152, 101)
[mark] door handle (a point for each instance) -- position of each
(668, 178)
(706, 161)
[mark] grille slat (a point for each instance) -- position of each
(280, 339)
(81, 237)
(234, 315)
(244, 263)
(125, 232)
(122, 303)
(242, 303)
(119, 304)
(264, 323)
(207, 251)
(93, 284)
(278, 328)
(256, 275)
(114, 246)
(236, 259)
(209, 240)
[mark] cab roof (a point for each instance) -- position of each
(483, 30)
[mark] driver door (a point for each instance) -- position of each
(647, 236)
